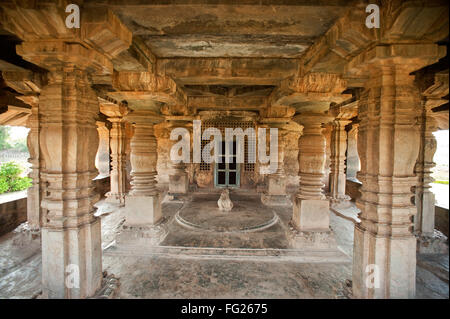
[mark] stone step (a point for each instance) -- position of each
(294, 255)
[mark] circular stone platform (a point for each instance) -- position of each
(247, 215)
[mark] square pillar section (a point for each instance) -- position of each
(143, 204)
(384, 253)
(310, 218)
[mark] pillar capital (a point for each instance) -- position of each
(312, 120)
(144, 118)
(402, 56)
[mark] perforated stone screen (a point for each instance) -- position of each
(221, 125)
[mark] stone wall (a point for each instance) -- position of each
(441, 219)
(12, 214)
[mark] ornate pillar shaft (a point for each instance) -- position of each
(276, 195)
(102, 157)
(178, 178)
(337, 169)
(118, 161)
(142, 203)
(34, 193)
(311, 209)
(352, 152)
(384, 254)
(425, 200)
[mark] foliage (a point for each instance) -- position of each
(10, 179)
(4, 135)
(441, 182)
(21, 146)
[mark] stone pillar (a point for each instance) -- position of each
(384, 254)
(337, 167)
(178, 178)
(311, 208)
(425, 201)
(275, 194)
(129, 132)
(352, 152)
(68, 140)
(143, 203)
(102, 157)
(118, 161)
(34, 193)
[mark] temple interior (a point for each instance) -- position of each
(341, 191)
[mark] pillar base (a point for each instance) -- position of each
(309, 240)
(141, 236)
(311, 215)
(276, 184)
(383, 266)
(178, 184)
(275, 200)
(142, 210)
(71, 261)
(115, 199)
(437, 243)
(340, 199)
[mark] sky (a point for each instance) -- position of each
(441, 155)
(18, 133)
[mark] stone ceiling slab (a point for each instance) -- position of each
(179, 30)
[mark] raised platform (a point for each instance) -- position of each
(203, 214)
(197, 229)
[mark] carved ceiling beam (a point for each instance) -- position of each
(312, 88)
(147, 85)
(226, 103)
(227, 71)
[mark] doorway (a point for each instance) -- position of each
(227, 174)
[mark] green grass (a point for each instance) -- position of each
(441, 182)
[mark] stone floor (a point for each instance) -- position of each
(172, 276)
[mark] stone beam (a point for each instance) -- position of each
(227, 103)
(230, 71)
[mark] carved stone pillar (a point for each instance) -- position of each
(311, 208)
(178, 178)
(384, 257)
(129, 132)
(275, 194)
(118, 161)
(115, 113)
(102, 157)
(352, 152)
(337, 167)
(34, 193)
(425, 200)
(143, 203)
(68, 139)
